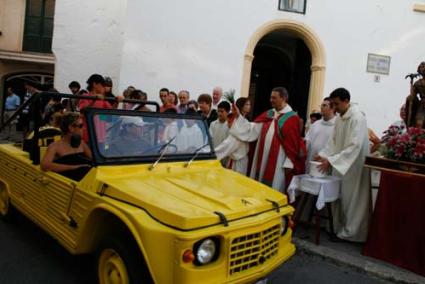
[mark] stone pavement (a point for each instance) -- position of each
(349, 254)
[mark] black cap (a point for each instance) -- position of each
(108, 81)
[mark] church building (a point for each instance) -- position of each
(310, 47)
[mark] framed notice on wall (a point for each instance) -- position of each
(297, 6)
(379, 64)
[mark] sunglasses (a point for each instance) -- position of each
(79, 125)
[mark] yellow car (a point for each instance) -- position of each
(157, 208)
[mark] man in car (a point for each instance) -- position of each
(132, 139)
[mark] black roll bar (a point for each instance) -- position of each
(35, 101)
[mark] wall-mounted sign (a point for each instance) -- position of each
(379, 64)
(297, 6)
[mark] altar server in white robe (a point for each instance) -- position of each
(316, 139)
(190, 137)
(318, 135)
(345, 153)
(280, 151)
(235, 150)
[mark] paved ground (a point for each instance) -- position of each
(309, 269)
(350, 254)
(28, 255)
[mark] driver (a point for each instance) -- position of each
(70, 152)
(131, 140)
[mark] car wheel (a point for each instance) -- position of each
(6, 209)
(120, 261)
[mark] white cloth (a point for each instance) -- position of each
(219, 131)
(237, 152)
(189, 138)
(346, 152)
(170, 131)
(327, 188)
(247, 131)
(317, 138)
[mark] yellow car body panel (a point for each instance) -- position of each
(166, 209)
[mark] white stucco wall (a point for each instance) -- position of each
(88, 38)
(196, 45)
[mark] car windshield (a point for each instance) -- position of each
(124, 135)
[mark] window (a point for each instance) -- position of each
(297, 6)
(39, 26)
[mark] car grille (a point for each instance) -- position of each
(253, 250)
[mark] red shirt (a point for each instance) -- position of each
(100, 125)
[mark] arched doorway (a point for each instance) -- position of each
(280, 59)
(286, 53)
(43, 81)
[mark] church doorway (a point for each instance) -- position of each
(285, 53)
(280, 59)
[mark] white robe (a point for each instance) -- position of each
(219, 131)
(346, 152)
(237, 152)
(247, 131)
(189, 139)
(317, 137)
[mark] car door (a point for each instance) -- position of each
(58, 192)
(25, 187)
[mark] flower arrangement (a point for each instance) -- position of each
(408, 146)
(392, 131)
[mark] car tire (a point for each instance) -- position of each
(119, 260)
(7, 211)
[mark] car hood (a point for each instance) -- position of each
(189, 198)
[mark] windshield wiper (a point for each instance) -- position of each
(162, 150)
(196, 153)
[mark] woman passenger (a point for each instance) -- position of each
(69, 153)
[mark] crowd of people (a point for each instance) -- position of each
(337, 137)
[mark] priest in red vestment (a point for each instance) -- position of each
(280, 152)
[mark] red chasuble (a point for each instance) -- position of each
(288, 135)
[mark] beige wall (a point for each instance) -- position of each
(12, 18)
(8, 67)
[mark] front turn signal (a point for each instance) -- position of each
(291, 223)
(188, 256)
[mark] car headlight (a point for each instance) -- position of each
(206, 251)
(285, 224)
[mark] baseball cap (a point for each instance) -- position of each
(128, 120)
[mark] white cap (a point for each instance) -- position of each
(138, 121)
